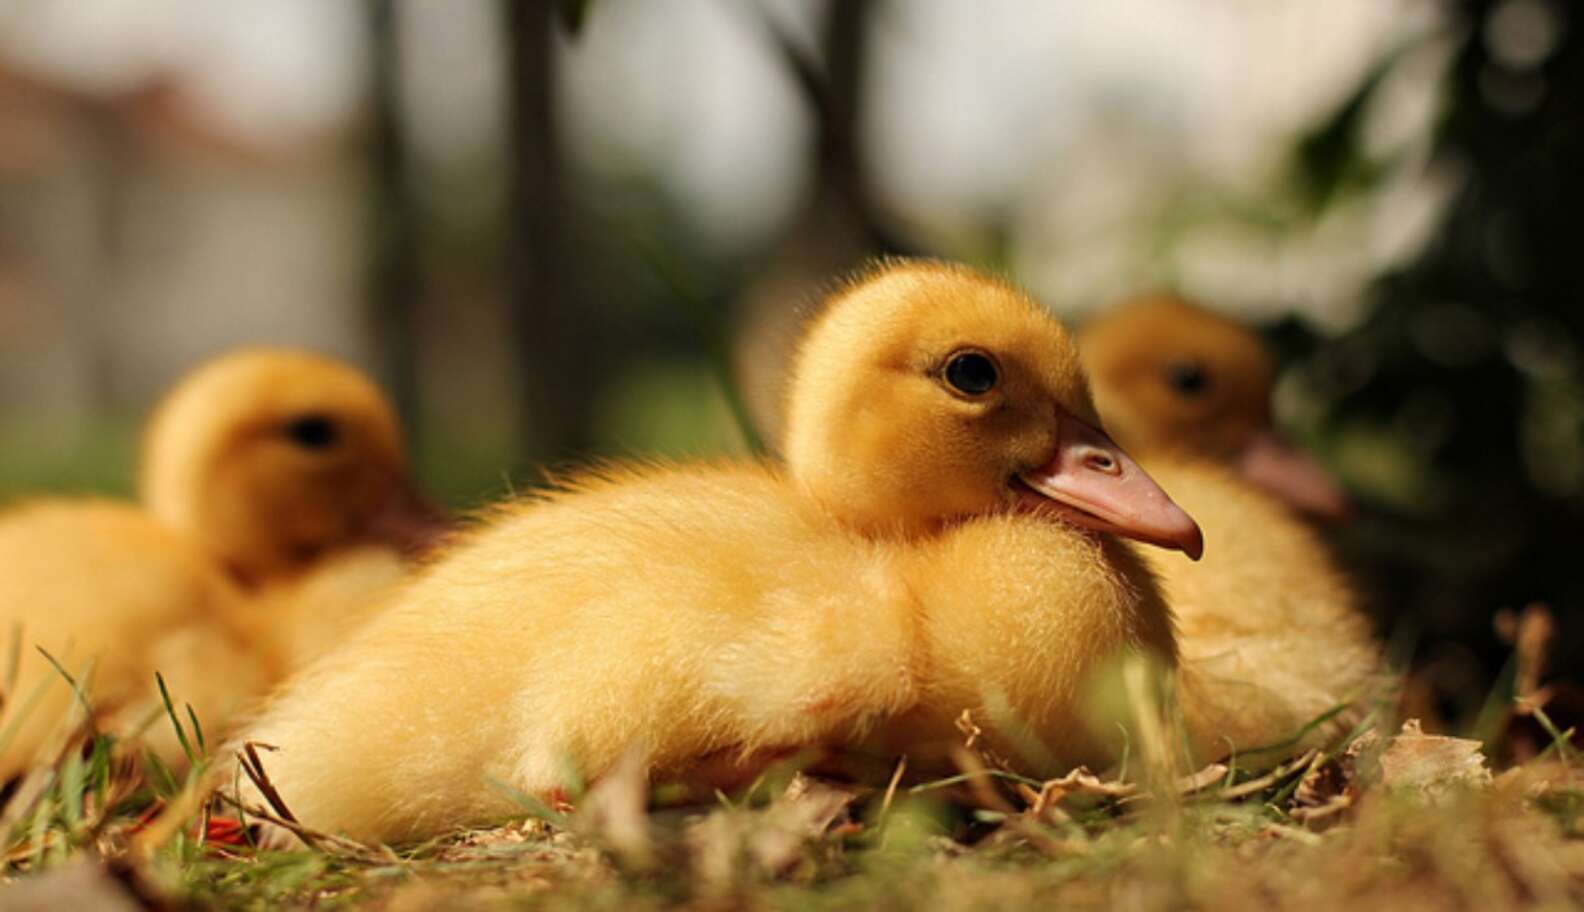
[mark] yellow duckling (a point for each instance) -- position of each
(113, 596)
(680, 612)
(288, 468)
(283, 468)
(1172, 379)
(1270, 631)
(274, 458)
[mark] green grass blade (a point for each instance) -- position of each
(533, 806)
(1304, 732)
(77, 690)
(711, 329)
(170, 711)
(161, 778)
(198, 734)
(1561, 741)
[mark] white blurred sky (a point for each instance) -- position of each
(266, 69)
(972, 103)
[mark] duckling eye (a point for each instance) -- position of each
(313, 432)
(1187, 378)
(971, 373)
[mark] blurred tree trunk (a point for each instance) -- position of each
(556, 369)
(840, 225)
(394, 268)
(842, 182)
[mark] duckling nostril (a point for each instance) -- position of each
(1101, 462)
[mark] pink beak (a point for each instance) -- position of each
(1094, 485)
(409, 522)
(1293, 476)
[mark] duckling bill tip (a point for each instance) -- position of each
(1093, 484)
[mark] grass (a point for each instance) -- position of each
(1378, 818)
(1382, 816)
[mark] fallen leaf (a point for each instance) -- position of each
(1432, 764)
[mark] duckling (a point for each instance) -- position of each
(274, 458)
(1270, 631)
(113, 596)
(682, 612)
(275, 496)
(297, 620)
(288, 467)
(1173, 379)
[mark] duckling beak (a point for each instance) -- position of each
(1279, 468)
(409, 522)
(1094, 485)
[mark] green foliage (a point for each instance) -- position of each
(1329, 158)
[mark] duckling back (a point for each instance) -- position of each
(1270, 629)
(301, 618)
(1271, 633)
(113, 597)
(669, 612)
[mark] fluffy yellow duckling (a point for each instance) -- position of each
(283, 468)
(273, 458)
(299, 619)
(113, 596)
(288, 468)
(1172, 379)
(680, 613)
(1270, 631)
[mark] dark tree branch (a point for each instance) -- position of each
(833, 91)
(551, 333)
(394, 274)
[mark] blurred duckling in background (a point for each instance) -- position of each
(288, 468)
(273, 459)
(1270, 630)
(679, 613)
(1173, 380)
(276, 510)
(113, 597)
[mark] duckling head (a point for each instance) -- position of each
(271, 458)
(1172, 378)
(926, 393)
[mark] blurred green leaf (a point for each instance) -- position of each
(711, 329)
(1329, 158)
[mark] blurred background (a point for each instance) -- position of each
(562, 229)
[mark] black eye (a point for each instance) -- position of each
(971, 373)
(313, 432)
(1187, 378)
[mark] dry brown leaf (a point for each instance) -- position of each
(771, 841)
(806, 811)
(1431, 764)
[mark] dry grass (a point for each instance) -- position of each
(1389, 819)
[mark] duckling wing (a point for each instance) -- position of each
(1271, 632)
(672, 613)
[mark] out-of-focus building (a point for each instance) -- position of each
(138, 235)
